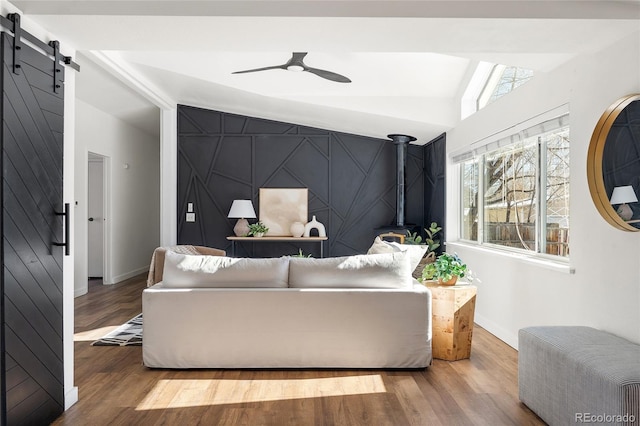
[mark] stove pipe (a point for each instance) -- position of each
(401, 142)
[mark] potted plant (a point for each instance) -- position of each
(300, 254)
(431, 243)
(258, 229)
(446, 269)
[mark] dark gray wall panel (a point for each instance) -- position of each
(435, 166)
(351, 179)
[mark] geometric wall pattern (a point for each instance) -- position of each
(350, 178)
(435, 166)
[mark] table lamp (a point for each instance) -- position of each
(241, 210)
(623, 195)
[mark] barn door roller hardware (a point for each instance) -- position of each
(12, 23)
(17, 43)
(57, 71)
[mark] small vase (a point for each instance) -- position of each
(314, 224)
(297, 229)
(258, 234)
(452, 281)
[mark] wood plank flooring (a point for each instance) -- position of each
(116, 389)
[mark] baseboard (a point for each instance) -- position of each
(80, 291)
(500, 332)
(130, 274)
(70, 397)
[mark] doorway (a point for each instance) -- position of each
(97, 203)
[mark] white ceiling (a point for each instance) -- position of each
(410, 61)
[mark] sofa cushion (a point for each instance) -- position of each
(386, 270)
(186, 271)
(416, 252)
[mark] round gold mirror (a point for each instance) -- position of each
(613, 164)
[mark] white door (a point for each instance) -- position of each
(95, 206)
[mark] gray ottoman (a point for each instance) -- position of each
(572, 375)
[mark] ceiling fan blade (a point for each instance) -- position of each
(328, 75)
(260, 69)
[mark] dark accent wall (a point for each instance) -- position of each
(435, 166)
(351, 179)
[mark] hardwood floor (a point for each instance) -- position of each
(116, 389)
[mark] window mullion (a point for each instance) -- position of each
(541, 220)
(481, 191)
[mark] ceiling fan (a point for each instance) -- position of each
(296, 64)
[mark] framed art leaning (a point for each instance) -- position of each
(281, 207)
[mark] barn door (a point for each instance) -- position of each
(32, 231)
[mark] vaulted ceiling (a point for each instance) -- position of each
(409, 61)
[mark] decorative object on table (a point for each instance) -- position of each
(241, 210)
(128, 334)
(314, 224)
(281, 207)
(446, 270)
(258, 229)
(622, 195)
(297, 229)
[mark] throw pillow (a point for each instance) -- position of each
(186, 271)
(386, 270)
(381, 246)
(416, 252)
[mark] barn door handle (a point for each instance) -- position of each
(67, 243)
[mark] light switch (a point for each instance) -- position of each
(190, 207)
(191, 217)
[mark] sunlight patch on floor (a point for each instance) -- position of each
(193, 393)
(95, 334)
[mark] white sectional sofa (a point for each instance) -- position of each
(363, 311)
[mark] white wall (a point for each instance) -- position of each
(604, 291)
(133, 225)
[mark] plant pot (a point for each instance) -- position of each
(258, 234)
(452, 281)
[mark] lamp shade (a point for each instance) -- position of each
(242, 209)
(623, 194)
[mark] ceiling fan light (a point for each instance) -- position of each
(295, 68)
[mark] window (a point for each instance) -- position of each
(490, 82)
(515, 193)
(503, 79)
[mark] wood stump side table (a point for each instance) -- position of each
(453, 308)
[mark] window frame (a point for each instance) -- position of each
(541, 182)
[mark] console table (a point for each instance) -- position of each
(319, 240)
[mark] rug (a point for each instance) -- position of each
(128, 334)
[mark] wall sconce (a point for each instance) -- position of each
(623, 195)
(241, 210)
